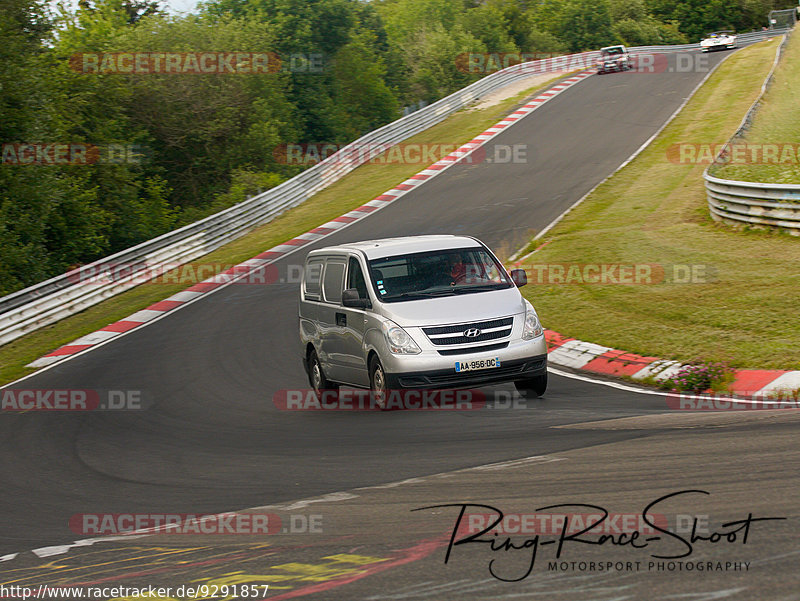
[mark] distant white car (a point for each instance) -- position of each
(613, 58)
(719, 40)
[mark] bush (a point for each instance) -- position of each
(701, 377)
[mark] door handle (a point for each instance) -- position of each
(341, 319)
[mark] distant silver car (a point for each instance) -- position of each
(422, 312)
(719, 40)
(614, 58)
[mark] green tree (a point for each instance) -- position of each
(648, 32)
(432, 56)
(359, 74)
(584, 25)
(634, 10)
(695, 18)
(404, 18)
(487, 23)
(49, 218)
(542, 41)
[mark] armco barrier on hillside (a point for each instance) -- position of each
(752, 203)
(45, 303)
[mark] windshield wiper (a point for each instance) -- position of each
(480, 288)
(424, 293)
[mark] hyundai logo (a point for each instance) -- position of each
(472, 333)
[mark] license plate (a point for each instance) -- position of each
(477, 364)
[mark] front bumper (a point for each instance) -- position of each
(607, 68)
(519, 360)
(448, 378)
(713, 47)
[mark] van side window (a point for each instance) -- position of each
(312, 278)
(332, 281)
(355, 278)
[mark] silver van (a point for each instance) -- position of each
(421, 312)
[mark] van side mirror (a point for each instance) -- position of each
(519, 277)
(351, 298)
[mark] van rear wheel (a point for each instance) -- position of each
(532, 387)
(377, 384)
(316, 377)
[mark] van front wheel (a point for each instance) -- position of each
(377, 383)
(316, 377)
(532, 387)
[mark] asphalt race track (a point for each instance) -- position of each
(212, 440)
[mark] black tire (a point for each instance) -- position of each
(377, 383)
(532, 387)
(316, 377)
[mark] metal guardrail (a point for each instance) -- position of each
(47, 302)
(753, 203)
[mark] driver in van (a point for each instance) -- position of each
(458, 270)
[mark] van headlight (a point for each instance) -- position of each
(400, 343)
(532, 329)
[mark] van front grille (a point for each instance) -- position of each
(492, 329)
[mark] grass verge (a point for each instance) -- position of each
(358, 187)
(776, 124)
(739, 305)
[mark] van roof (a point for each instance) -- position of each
(387, 247)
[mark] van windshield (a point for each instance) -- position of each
(437, 273)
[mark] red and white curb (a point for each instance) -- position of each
(225, 278)
(586, 356)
